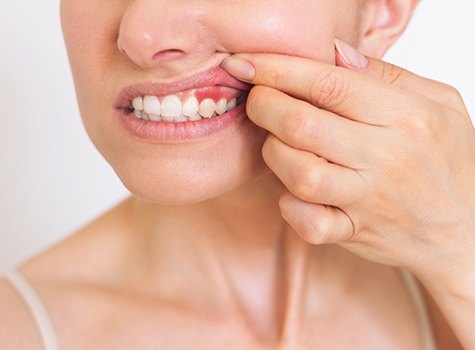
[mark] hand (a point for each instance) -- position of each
(375, 158)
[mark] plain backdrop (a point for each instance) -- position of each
(53, 181)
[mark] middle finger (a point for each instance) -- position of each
(306, 127)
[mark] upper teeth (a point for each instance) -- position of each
(172, 109)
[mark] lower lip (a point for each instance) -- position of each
(181, 132)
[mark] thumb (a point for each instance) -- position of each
(348, 57)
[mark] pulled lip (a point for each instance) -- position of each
(216, 76)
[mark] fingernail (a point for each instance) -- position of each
(239, 67)
(350, 55)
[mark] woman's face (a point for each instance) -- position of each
(116, 44)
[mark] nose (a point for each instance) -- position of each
(153, 32)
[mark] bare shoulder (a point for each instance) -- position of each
(17, 327)
(88, 254)
(84, 255)
(445, 337)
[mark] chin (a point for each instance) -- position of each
(180, 182)
(187, 173)
(182, 191)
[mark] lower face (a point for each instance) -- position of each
(107, 43)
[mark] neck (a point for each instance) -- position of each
(246, 222)
(234, 252)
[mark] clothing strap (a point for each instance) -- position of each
(50, 340)
(36, 307)
(418, 302)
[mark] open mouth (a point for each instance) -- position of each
(190, 105)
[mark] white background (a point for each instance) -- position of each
(53, 181)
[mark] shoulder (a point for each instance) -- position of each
(56, 273)
(17, 327)
(444, 335)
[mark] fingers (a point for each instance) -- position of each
(311, 178)
(342, 91)
(316, 223)
(397, 76)
(303, 126)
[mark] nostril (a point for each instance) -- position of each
(167, 54)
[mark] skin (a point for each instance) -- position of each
(219, 255)
(338, 195)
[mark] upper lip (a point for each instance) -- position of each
(210, 77)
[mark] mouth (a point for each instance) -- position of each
(206, 95)
(190, 105)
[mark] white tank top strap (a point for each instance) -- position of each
(420, 306)
(36, 307)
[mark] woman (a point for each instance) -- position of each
(296, 214)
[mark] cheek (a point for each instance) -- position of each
(90, 31)
(299, 28)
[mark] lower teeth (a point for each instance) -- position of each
(155, 118)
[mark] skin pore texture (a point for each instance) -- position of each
(199, 256)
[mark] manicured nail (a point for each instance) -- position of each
(350, 55)
(239, 67)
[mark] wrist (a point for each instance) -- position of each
(452, 270)
(457, 280)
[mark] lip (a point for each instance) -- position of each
(212, 77)
(183, 132)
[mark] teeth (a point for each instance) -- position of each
(207, 108)
(168, 119)
(151, 105)
(195, 117)
(191, 107)
(171, 109)
(138, 103)
(155, 118)
(171, 106)
(221, 106)
(231, 104)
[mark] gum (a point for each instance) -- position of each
(214, 92)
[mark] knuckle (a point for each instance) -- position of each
(278, 77)
(328, 88)
(417, 127)
(308, 184)
(424, 123)
(316, 130)
(391, 73)
(317, 230)
(294, 126)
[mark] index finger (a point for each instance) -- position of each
(350, 94)
(398, 76)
